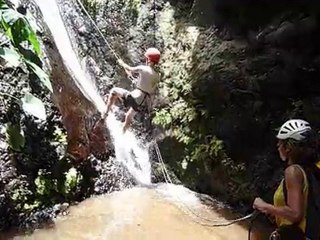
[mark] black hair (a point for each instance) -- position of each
(306, 151)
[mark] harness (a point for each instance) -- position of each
(146, 94)
(129, 101)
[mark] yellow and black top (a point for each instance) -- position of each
(279, 201)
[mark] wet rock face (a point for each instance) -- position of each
(112, 176)
(94, 54)
(85, 133)
(258, 86)
(78, 114)
(8, 173)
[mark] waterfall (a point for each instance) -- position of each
(128, 148)
(52, 18)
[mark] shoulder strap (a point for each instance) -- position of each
(285, 191)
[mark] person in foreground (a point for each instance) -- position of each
(295, 201)
(146, 85)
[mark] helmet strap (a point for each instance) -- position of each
(149, 63)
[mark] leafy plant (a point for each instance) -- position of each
(73, 178)
(24, 51)
(10, 56)
(48, 186)
(15, 136)
(59, 135)
(33, 106)
(21, 35)
(20, 194)
(45, 185)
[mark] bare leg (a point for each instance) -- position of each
(129, 116)
(115, 94)
(111, 99)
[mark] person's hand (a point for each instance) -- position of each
(120, 61)
(261, 205)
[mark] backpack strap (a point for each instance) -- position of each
(285, 191)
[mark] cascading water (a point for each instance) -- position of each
(128, 149)
(51, 15)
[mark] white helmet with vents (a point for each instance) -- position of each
(294, 129)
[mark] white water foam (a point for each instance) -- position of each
(179, 194)
(130, 151)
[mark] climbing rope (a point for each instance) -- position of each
(131, 77)
(186, 209)
(154, 23)
(95, 25)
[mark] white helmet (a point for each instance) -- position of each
(295, 129)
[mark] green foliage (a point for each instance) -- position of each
(18, 29)
(211, 155)
(10, 56)
(22, 37)
(34, 106)
(162, 117)
(45, 184)
(212, 150)
(29, 207)
(64, 184)
(15, 136)
(178, 117)
(20, 195)
(73, 178)
(60, 136)
(43, 77)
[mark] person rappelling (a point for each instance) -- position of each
(146, 84)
